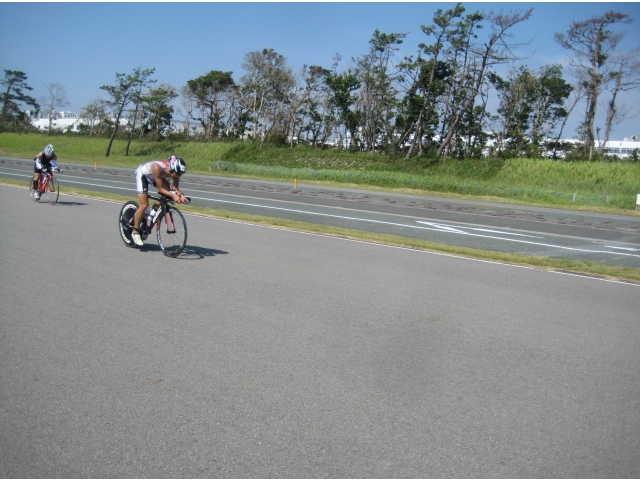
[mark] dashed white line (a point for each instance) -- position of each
(435, 227)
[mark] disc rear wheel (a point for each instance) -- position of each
(125, 222)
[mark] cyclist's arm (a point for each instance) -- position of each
(160, 183)
(53, 161)
(176, 182)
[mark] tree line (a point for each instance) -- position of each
(433, 104)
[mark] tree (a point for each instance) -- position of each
(267, 87)
(57, 97)
(530, 106)
(302, 100)
(552, 91)
(188, 101)
(238, 112)
(94, 114)
(449, 79)
(121, 95)
(159, 111)
(11, 116)
(471, 59)
(342, 85)
(141, 81)
(578, 93)
(209, 91)
(378, 95)
(592, 43)
(471, 139)
(427, 85)
(625, 75)
(309, 106)
(418, 117)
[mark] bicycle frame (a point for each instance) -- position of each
(170, 243)
(164, 211)
(47, 184)
(43, 183)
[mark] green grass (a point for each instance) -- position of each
(596, 186)
(573, 266)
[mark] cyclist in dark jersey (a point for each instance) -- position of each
(45, 160)
(157, 173)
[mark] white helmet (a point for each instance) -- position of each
(48, 150)
(176, 164)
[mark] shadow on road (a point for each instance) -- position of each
(199, 253)
(189, 253)
(71, 204)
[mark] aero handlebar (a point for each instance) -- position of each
(166, 199)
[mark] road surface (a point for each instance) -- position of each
(269, 353)
(610, 239)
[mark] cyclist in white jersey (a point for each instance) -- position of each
(157, 173)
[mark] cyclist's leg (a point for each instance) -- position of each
(37, 171)
(143, 199)
(142, 187)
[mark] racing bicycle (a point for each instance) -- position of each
(170, 225)
(47, 185)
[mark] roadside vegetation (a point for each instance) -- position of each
(596, 186)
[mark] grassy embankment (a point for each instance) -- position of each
(595, 186)
(520, 181)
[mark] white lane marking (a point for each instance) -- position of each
(449, 230)
(342, 217)
(504, 233)
(623, 248)
(456, 229)
(444, 228)
(375, 244)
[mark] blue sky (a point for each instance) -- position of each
(83, 45)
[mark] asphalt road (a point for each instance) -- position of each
(269, 353)
(610, 239)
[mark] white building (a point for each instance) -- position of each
(60, 121)
(622, 149)
(57, 123)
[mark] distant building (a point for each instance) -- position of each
(60, 120)
(622, 149)
(67, 115)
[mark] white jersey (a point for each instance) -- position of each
(145, 176)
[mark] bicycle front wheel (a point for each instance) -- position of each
(53, 191)
(172, 232)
